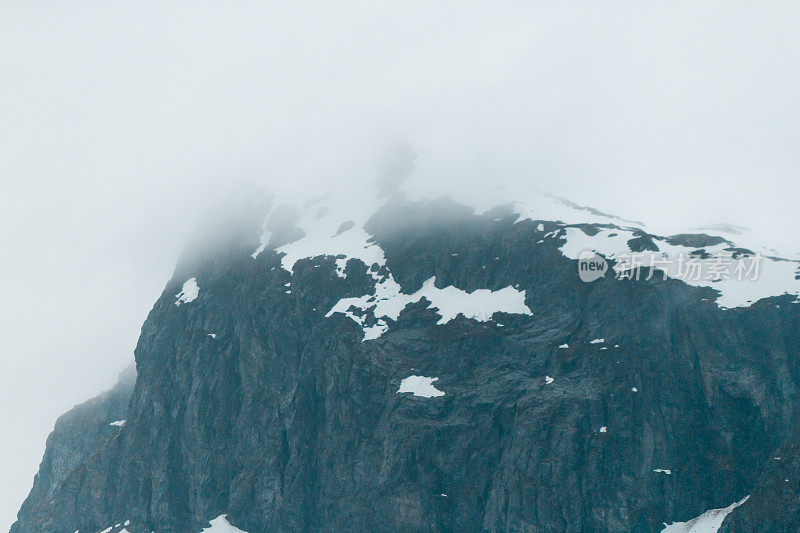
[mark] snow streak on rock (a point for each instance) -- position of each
(266, 235)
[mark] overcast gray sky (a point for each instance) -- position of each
(120, 122)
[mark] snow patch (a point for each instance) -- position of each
(708, 522)
(389, 300)
(221, 525)
(189, 292)
(373, 332)
(341, 263)
(420, 386)
(323, 238)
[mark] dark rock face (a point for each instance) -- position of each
(286, 421)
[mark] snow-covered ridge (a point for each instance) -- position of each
(759, 275)
(334, 225)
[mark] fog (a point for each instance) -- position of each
(122, 122)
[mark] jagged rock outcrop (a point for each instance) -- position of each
(606, 406)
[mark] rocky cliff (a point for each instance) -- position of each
(426, 366)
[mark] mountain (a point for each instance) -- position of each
(413, 362)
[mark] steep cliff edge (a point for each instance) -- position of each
(78, 435)
(272, 375)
